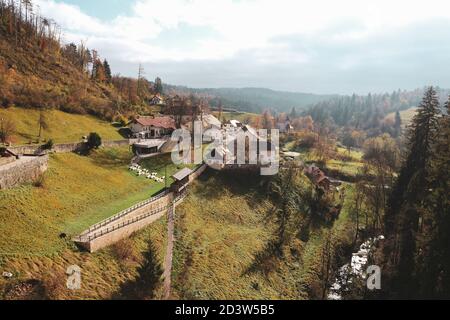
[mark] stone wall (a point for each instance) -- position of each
(64, 147)
(124, 232)
(6, 160)
(25, 169)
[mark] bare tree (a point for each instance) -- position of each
(42, 122)
(7, 129)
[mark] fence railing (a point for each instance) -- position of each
(88, 238)
(85, 238)
(123, 213)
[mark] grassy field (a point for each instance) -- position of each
(162, 164)
(348, 167)
(406, 116)
(62, 127)
(243, 117)
(221, 228)
(77, 191)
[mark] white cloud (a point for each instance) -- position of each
(244, 28)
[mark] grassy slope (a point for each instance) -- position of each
(63, 127)
(163, 164)
(349, 167)
(243, 117)
(218, 241)
(406, 115)
(77, 191)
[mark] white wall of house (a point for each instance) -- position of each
(148, 131)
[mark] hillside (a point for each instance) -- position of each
(32, 78)
(37, 70)
(252, 99)
(62, 127)
(37, 223)
(222, 244)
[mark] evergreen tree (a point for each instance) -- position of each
(398, 124)
(158, 86)
(107, 70)
(408, 200)
(435, 259)
(293, 113)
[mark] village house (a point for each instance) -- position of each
(152, 127)
(285, 127)
(210, 122)
(318, 177)
(157, 100)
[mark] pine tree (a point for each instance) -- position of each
(158, 86)
(107, 70)
(407, 202)
(435, 271)
(398, 124)
(293, 114)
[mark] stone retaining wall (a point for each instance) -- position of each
(65, 147)
(124, 232)
(6, 160)
(25, 169)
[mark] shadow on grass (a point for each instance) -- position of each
(239, 183)
(148, 280)
(111, 157)
(125, 132)
(266, 261)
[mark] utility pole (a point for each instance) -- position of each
(140, 74)
(165, 176)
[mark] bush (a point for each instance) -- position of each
(48, 145)
(94, 141)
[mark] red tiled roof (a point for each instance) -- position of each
(158, 122)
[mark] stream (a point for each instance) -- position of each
(355, 269)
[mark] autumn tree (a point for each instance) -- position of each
(267, 120)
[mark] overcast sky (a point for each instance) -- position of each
(320, 46)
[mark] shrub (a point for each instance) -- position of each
(94, 141)
(48, 145)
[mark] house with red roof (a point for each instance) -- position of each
(152, 127)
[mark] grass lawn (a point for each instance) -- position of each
(406, 116)
(77, 192)
(243, 117)
(163, 164)
(349, 168)
(63, 127)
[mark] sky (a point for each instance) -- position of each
(321, 46)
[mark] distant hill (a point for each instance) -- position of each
(252, 99)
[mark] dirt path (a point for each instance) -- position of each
(169, 252)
